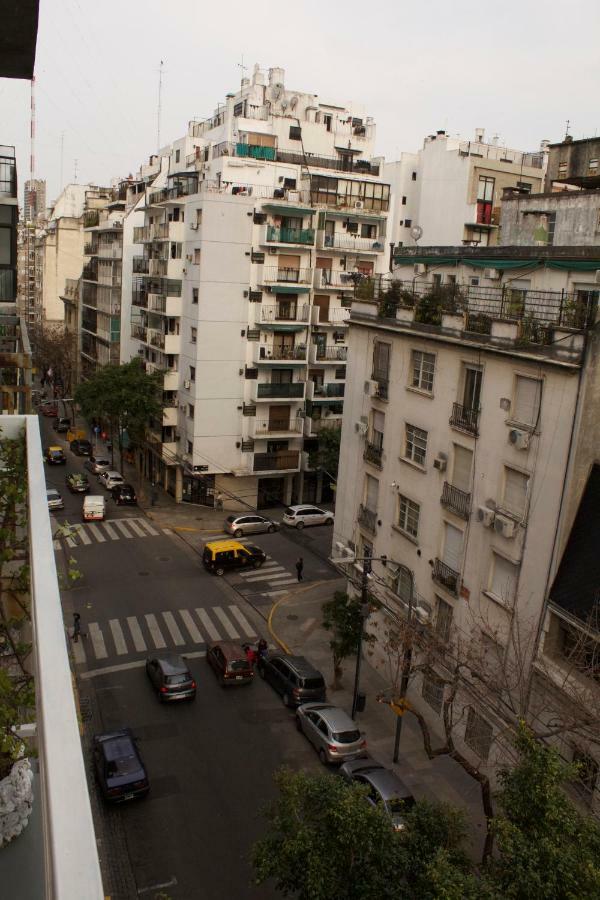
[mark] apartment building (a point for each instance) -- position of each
(452, 188)
(34, 199)
(258, 226)
(467, 433)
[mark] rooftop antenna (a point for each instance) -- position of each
(243, 69)
(567, 128)
(62, 151)
(158, 112)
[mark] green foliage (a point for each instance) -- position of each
(327, 455)
(342, 616)
(444, 298)
(390, 300)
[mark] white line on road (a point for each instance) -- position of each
(268, 576)
(82, 534)
(173, 628)
(308, 624)
(136, 664)
(110, 532)
(167, 531)
(71, 542)
(157, 887)
(208, 625)
(117, 633)
(154, 630)
(253, 573)
(283, 579)
(242, 620)
(220, 614)
(148, 527)
(97, 533)
(97, 641)
(122, 527)
(274, 593)
(136, 634)
(191, 626)
(131, 523)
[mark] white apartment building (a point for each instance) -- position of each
(469, 395)
(257, 228)
(452, 188)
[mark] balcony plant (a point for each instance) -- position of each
(443, 298)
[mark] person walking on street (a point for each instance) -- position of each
(77, 628)
(299, 567)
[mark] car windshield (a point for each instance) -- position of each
(252, 548)
(237, 665)
(231, 518)
(126, 765)
(56, 453)
(397, 805)
(177, 679)
(313, 684)
(346, 737)
(289, 512)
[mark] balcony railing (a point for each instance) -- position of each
(335, 354)
(502, 154)
(464, 418)
(290, 235)
(329, 390)
(292, 390)
(319, 425)
(333, 278)
(367, 518)
(373, 453)
(277, 426)
(287, 351)
(285, 275)
(141, 265)
(156, 338)
(456, 500)
(337, 241)
(446, 576)
(157, 303)
(283, 459)
(278, 312)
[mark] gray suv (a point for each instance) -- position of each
(331, 731)
(385, 789)
(293, 677)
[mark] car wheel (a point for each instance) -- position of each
(323, 757)
(329, 521)
(286, 699)
(299, 725)
(299, 525)
(271, 529)
(220, 571)
(257, 564)
(238, 533)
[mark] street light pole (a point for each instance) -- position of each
(364, 599)
(406, 664)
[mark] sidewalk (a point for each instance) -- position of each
(296, 622)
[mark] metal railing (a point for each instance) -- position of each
(276, 312)
(367, 518)
(337, 241)
(277, 426)
(157, 303)
(156, 338)
(292, 390)
(338, 163)
(283, 459)
(337, 354)
(329, 278)
(331, 389)
(285, 275)
(456, 500)
(279, 235)
(447, 577)
(501, 154)
(373, 453)
(141, 265)
(286, 351)
(464, 418)
(139, 333)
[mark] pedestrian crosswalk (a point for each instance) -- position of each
(170, 629)
(84, 534)
(271, 575)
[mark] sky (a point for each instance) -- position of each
(517, 69)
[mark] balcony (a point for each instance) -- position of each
(446, 577)
(325, 391)
(158, 267)
(276, 235)
(283, 275)
(367, 518)
(277, 426)
(274, 391)
(156, 338)
(331, 354)
(465, 419)
(110, 250)
(141, 265)
(373, 454)
(157, 303)
(457, 501)
(283, 460)
(288, 352)
(349, 243)
(139, 333)
(335, 279)
(284, 312)
(90, 248)
(318, 426)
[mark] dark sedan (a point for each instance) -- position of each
(81, 448)
(124, 494)
(77, 484)
(170, 677)
(118, 765)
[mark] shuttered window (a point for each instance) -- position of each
(453, 542)
(381, 360)
(503, 581)
(515, 491)
(526, 403)
(371, 492)
(461, 474)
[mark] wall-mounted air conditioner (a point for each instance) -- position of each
(370, 388)
(486, 516)
(187, 385)
(519, 439)
(492, 274)
(440, 462)
(361, 428)
(505, 526)
(358, 204)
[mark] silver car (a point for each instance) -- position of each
(331, 731)
(110, 479)
(97, 464)
(384, 786)
(248, 524)
(55, 501)
(303, 515)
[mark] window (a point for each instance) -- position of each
(327, 121)
(371, 493)
(193, 335)
(368, 231)
(340, 373)
(407, 223)
(190, 447)
(191, 410)
(414, 176)
(516, 485)
(408, 516)
(478, 734)
(192, 373)
(503, 579)
(197, 256)
(195, 295)
(526, 402)
(404, 201)
(176, 250)
(423, 369)
(443, 620)
(562, 170)
(453, 547)
(377, 428)
(432, 690)
(485, 198)
(403, 586)
(177, 155)
(587, 776)
(524, 186)
(381, 361)
(461, 469)
(474, 282)
(472, 387)
(581, 650)
(295, 133)
(593, 167)
(416, 444)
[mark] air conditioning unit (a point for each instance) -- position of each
(420, 268)
(492, 274)
(371, 388)
(358, 204)
(273, 250)
(440, 463)
(187, 385)
(486, 516)
(293, 196)
(194, 226)
(361, 428)
(505, 526)
(520, 439)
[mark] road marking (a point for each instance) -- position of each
(266, 575)
(97, 641)
(136, 634)
(147, 526)
(108, 670)
(122, 527)
(274, 593)
(307, 625)
(71, 542)
(117, 633)
(283, 579)
(154, 630)
(173, 628)
(220, 614)
(167, 531)
(110, 532)
(157, 887)
(135, 528)
(242, 620)
(97, 533)
(191, 627)
(81, 533)
(270, 567)
(56, 545)
(78, 652)
(208, 625)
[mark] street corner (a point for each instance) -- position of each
(295, 619)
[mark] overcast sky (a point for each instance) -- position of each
(519, 69)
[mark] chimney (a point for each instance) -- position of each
(441, 132)
(544, 144)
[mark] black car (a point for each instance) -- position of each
(124, 493)
(118, 765)
(171, 677)
(62, 425)
(293, 677)
(81, 448)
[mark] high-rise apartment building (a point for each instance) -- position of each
(34, 200)
(260, 223)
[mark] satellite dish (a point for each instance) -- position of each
(416, 232)
(294, 102)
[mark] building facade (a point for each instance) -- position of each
(34, 200)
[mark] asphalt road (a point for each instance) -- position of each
(210, 762)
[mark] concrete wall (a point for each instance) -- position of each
(524, 219)
(63, 258)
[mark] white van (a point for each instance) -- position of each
(94, 507)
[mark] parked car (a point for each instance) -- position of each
(77, 484)
(94, 508)
(224, 556)
(170, 677)
(384, 786)
(55, 501)
(97, 464)
(303, 516)
(124, 494)
(229, 663)
(81, 447)
(48, 409)
(110, 479)
(248, 524)
(55, 456)
(62, 425)
(293, 677)
(119, 767)
(334, 735)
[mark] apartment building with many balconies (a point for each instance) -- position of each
(468, 431)
(261, 222)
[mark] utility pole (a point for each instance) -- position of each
(364, 611)
(406, 665)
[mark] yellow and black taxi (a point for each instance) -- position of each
(55, 456)
(225, 556)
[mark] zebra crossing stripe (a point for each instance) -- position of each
(155, 631)
(243, 621)
(136, 634)
(148, 527)
(274, 593)
(110, 532)
(208, 625)
(78, 652)
(173, 628)
(122, 527)
(97, 641)
(248, 576)
(81, 534)
(283, 579)
(71, 542)
(220, 614)
(131, 523)
(56, 545)
(118, 638)
(96, 532)
(191, 626)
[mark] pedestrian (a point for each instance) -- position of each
(219, 501)
(299, 567)
(250, 655)
(262, 648)
(77, 628)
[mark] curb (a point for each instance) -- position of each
(282, 600)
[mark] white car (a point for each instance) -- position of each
(110, 479)
(305, 515)
(55, 501)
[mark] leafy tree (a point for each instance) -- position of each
(327, 455)
(55, 348)
(343, 617)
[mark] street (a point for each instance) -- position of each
(210, 762)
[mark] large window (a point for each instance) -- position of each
(377, 429)
(423, 369)
(415, 448)
(516, 485)
(408, 516)
(371, 493)
(443, 620)
(503, 579)
(453, 547)
(485, 199)
(432, 690)
(478, 734)
(526, 401)
(381, 361)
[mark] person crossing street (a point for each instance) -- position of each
(299, 567)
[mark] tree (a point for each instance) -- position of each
(327, 455)
(54, 347)
(343, 617)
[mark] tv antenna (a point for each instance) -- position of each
(242, 69)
